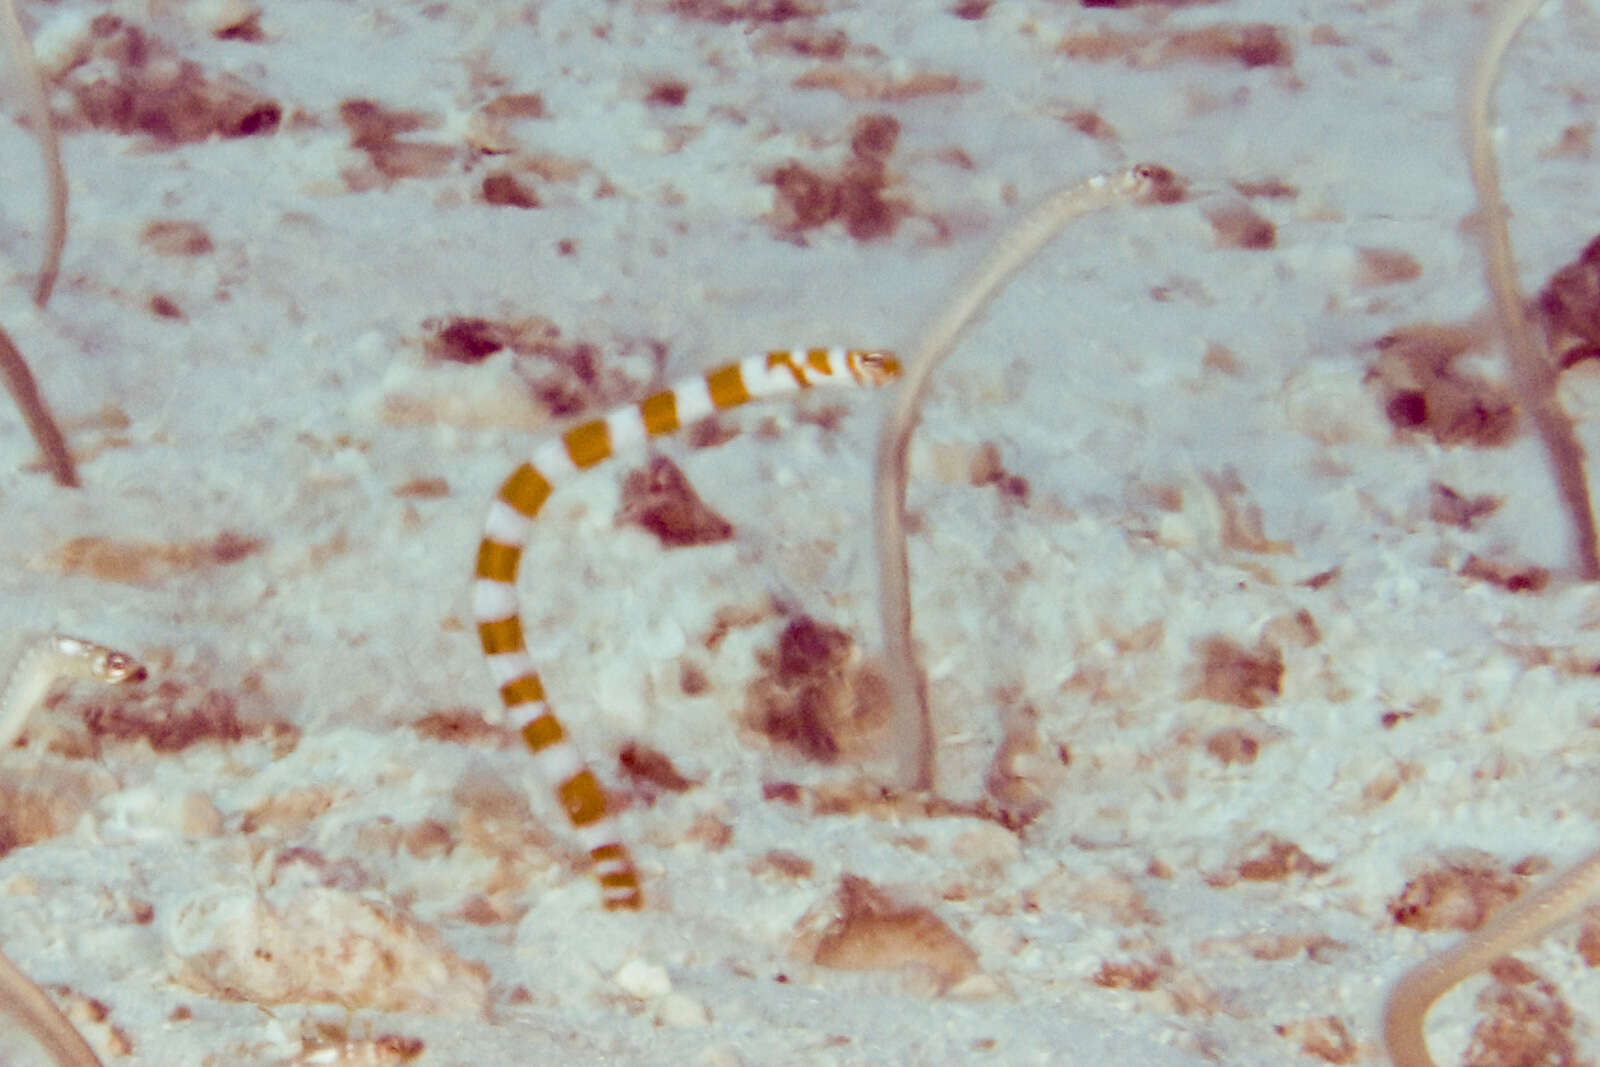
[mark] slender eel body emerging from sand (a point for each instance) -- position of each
(559, 459)
(1143, 183)
(1522, 922)
(50, 659)
(1534, 373)
(43, 663)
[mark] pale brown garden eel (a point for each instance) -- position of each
(14, 371)
(30, 80)
(1534, 373)
(46, 661)
(1143, 183)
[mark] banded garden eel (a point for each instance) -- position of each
(555, 462)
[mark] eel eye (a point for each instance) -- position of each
(878, 367)
(119, 667)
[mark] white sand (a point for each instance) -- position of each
(273, 410)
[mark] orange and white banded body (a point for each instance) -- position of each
(556, 461)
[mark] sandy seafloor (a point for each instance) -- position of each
(283, 493)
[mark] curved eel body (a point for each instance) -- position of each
(557, 461)
(55, 657)
(46, 661)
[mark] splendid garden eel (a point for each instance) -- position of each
(559, 459)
